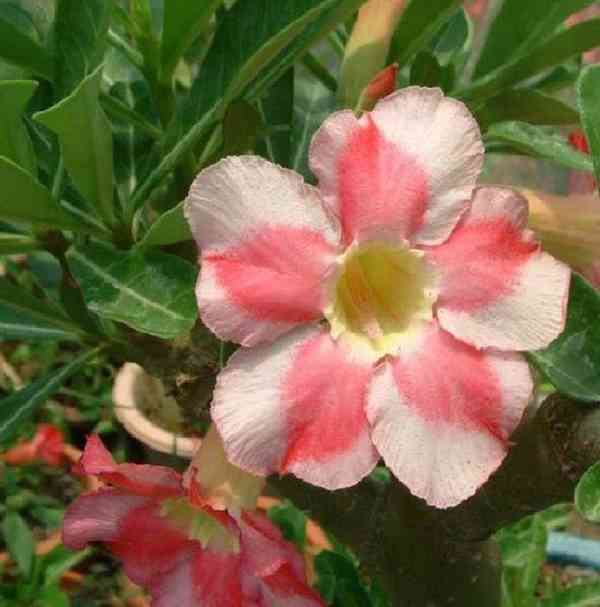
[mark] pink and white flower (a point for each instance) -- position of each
(381, 313)
(184, 551)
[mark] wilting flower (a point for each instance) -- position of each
(428, 289)
(568, 228)
(47, 445)
(185, 552)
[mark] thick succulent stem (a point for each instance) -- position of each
(430, 557)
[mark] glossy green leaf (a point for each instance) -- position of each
(417, 27)
(515, 31)
(80, 30)
(20, 406)
(23, 199)
(183, 21)
(11, 244)
(554, 51)
(525, 105)
(169, 228)
(455, 36)
(587, 494)
(540, 143)
(23, 316)
(150, 291)
(313, 103)
(584, 594)
(291, 521)
(572, 361)
(588, 93)
(19, 541)
(18, 44)
(14, 139)
(85, 136)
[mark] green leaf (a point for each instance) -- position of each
(60, 560)
(18, 45)
(11, 244)
(240, 128)
(515, 31)
(169, 228)
(20, 406)
(53, 596)
(580, 595)
(250, 37)
(14, 139)
(183, 21)
(588, 94)
(455, 36)
(587, 494)
(85, 136)
(23, 199)
(556, 50)
(425, 70)
(277, 111)
(339, 582)
(23, 316)
(150, 291)
(291, 521)
(256, 43)
(572, 361)
(80, 30)
(525, 105)
(313, 103)
(540, 143)
(523, 548)
(418, 25)
(19, 541)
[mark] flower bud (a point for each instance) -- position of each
(569, 229)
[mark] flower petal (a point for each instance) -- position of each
(204, 579)
(145, 480)
(410, 165)
(297, 406)
(442, 414)
(497, 288)
(267, 243)
(272, 568)
(97, 517)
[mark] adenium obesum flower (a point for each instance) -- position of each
(47, 445)
(381, 313)
(173, 541)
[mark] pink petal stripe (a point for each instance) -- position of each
(145, 480)
(297, 406)
(266, 242)
(266, 285)
(372, 184)
(497, 288)
(443, 138)
(441, 415)
(410, 165)
(97, 517)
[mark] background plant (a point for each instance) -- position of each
(110, 108)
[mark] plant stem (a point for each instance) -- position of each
(131, 53)
(118, 109)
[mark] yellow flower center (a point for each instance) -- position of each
(382, 295)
